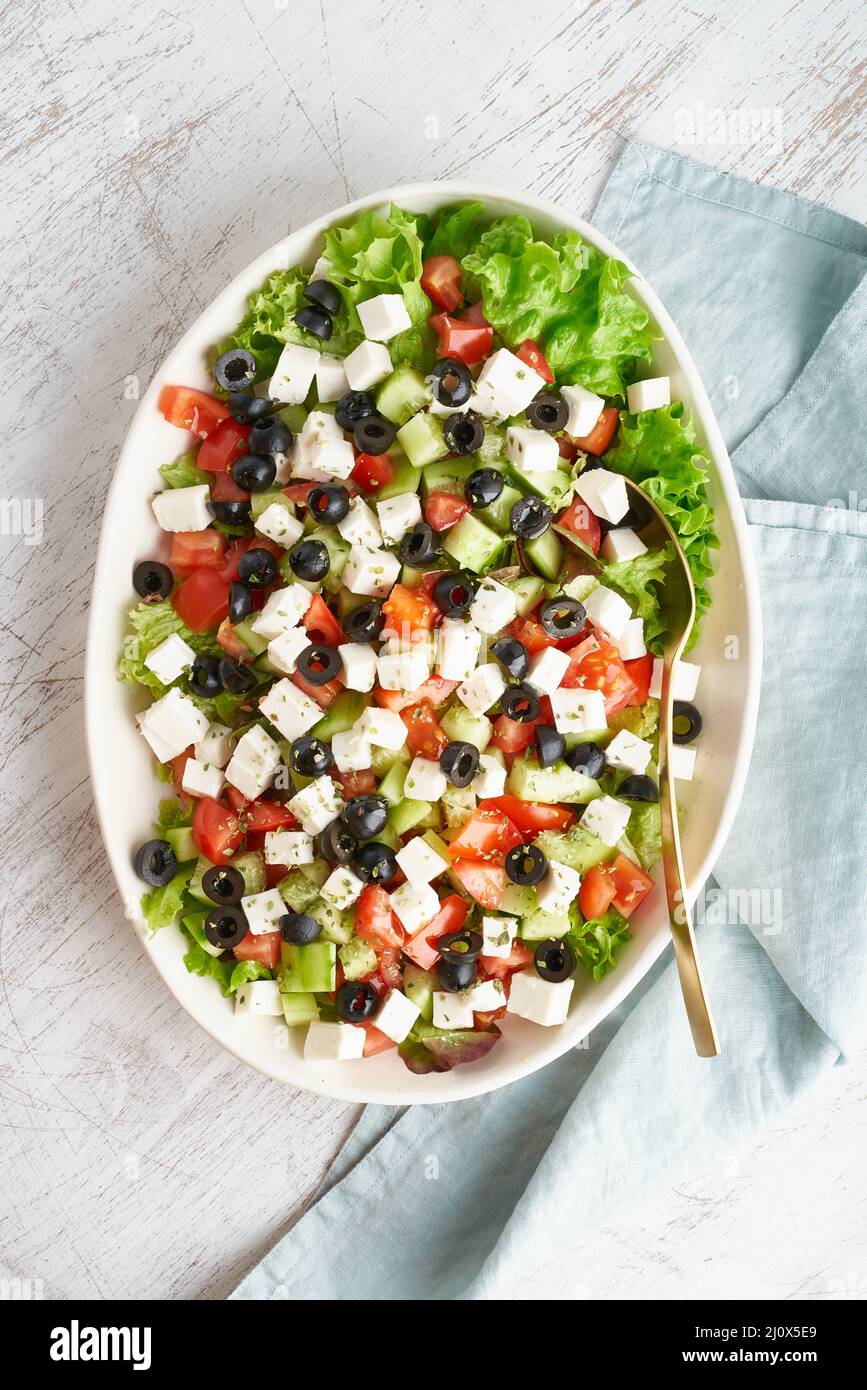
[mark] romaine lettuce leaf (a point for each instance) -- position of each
(645, 833)
(637, 581)
(229, 974)
(162, 905)
(456, 231)
(183, 472)
(597, 943)
(428, 1049)
(172, 815)
(151, 624)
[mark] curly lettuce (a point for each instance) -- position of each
(162, 905)
(428, 1049)
(597, 944)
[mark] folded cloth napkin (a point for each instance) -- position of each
(493, 1198)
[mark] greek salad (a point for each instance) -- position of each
(412, 740)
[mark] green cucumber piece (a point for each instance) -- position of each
(581, 586)
(382, 760)
(558, 782)
(580, 849)
(462, 726)
(421, 439)
(251, 866)
(407, 814)
(182, 843)
(458, 805)
(499, 513)
(295, 415)
(527, 590)
(544, 926)
(358, 958)
(299, 1009)
(261, 501)
(338, 553)
(310, 969)
(518, 900)
(341, 715)
(391, 786)
(404, 478)
(448, 476)
(297, 891)
(473, 545)
(492, 445)
(254, 641)
(401, 395)
(336, 924)
(419, 986)
(546, 554)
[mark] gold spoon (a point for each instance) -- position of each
(678, 606)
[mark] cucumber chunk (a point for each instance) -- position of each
(401, 395)
(308, 969)
(473, 545)
(421, 439)
(298, 1009)
(546, 554)
(462, 726)
(556, 783)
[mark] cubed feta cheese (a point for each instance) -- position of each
(318, 429)
(420, 861)
(397, 515)
(630, 643)
(342, 887)
(424, 781)
(360, 526)
(263, 911)
(604, 492)
(685, 680)
(506, 385)
(487, 995)
(383, 317)
(584, 410)
(607, 818)
(458, 645)
(651, 394)
(452, 1010)
(370, 572)
(498, 933)
(608, 610)
(175, 722)
(351, 751)
(170, 658)
(284, 651)
(493, 607)
(259, 998)
(293, 374)
(559, 888)
(367, 365)
(278, 524)
(331, 458)
(622, 544)
(253, 763)
(359, 665)
(579, 711)
(403, 670)
(317, 804)
(384, 728)
(396, 1015)
(415, 904)
(331, 382)
(547, 669)
(202, 779)
(531, 451)
(483, 688)
(282, 609)
(183, 508)
(683, 762)
(490, 780)
(289, 709)
(289, 847)
(334, 1042)
(541, 1001)
(216, 746)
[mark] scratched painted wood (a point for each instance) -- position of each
(148, 156)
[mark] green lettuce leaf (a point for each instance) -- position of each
(151, 624)
(162, 905)
(200, 962)
(637, 581)
(596, 944)
(428, 1049)
(456, 231)
(183, 472)
(645, 833)
(229, 974)
(269, 323)
(172, 815)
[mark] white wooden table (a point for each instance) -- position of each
(149, 155)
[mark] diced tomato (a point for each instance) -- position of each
(488, 835)
(299, 492)
(408, 611)
(324, 695)
(264, 948)
(519, 958)
(375, 922)
(231, 643)
(425, 737)
(470, 342)
(177, 765)
(321, 624)
(389, 968)
(435, 691)
(631, 883)
(532, 634)
(530, 816)
(374, 1041)
(444, 509)
(372, 471)
(192, 550)
(225, 489)
(600, 667)
(223, 447)
(640, 672)
(532, 356)
(267, 815)
(451, 917)
(202, 600)
(190, 409)
(600, 437)
(355, 783)
(217, 830)
(484, 882)
(441, 278)
(236, 548)
(475, 314)
(597, 892)
(510, 736)
(579, 519)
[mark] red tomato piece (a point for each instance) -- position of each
(202, 600)
(372, 471)
(532, 634)
(264, 948)
(512, 737)
(451, 917)
(631, 884)
(602, 434)
(321, 624)
(192, 550)
(470, 342)
(223, 447)
(601, 667)
(375, 922)
(640, 672)
(444, 509)
(488, 835)
(190, 409)
(355, 783)
(436, 690)
(231, 643)
(597, 892)
(518, 959)
(324, 695)
(225, 489)
(484, 882)
(267, 815)
(441, 278)
(533, 356)
(236, 548)
(579, 519)
(475, 314)
(425, 737)
(374, 1041)
(408, 611)
(530, 816)
(217, 830)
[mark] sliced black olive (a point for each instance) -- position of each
(365, 816)
(419, 546)
(310, 757)
(483, 487)
(588, 758)
(530, 518)
(592, 461)
(315, 320)
(353, 407)
(452, 381)
(526, 865)
(235, 677)
(223, 884)
(686, 723)
(562, 616)
(355, 1001)
(297, 929)
(231, 513)
(309, 560)
(235, 369)
(152, 580)
(319, 664)
(365, 623)
(455, 975)
(520, 703)
(254, 472)
(336, 843)
(548, 412)
(464, 432)
(270, 436)
(156, 863)
(453, 593)
(247, 409)
(550, 745)
(205, 677)
(638, 787)
(375, 862)
(226, 926)
(328, 503)
(460, 945)
(553, 961)
(257, 567)
(326, 295)
(374, 435)
(512, 656)
(240, 601)
(459, 763)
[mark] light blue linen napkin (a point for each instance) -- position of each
(493, 1198)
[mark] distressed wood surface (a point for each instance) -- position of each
(148, 156)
